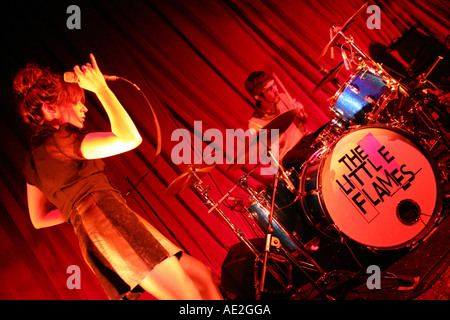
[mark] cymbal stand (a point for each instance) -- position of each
(213, 206)
(422, 115)
(434, 132)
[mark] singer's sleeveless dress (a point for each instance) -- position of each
(119, 246)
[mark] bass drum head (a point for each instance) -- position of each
(379, 188)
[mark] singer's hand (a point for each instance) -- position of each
(90, 77)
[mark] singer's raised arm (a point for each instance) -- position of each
(124, 135)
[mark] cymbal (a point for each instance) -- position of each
(342, 29)
(187, 178)
(280, 122)
(330, 76)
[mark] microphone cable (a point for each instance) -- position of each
(158, 132)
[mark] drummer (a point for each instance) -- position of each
(294, 144)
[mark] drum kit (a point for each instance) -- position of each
(374, 180)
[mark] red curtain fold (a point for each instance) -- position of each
(191, 59)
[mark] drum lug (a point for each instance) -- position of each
(353, 89)
(369, 100)
(363, 76)
(314, 192)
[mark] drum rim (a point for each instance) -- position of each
(437, 211)
(350, 79)
(319, 193)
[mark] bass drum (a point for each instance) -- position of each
(376, 186)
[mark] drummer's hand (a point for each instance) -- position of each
(300, 110)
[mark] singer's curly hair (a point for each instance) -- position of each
(34, 86)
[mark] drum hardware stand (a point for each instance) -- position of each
(210, 203)
(285, 176)
(313, 266)
(426, 138)
(300, 264)
(269, 222)
(424, 77)
(418, 114)
(422, 115)
(276, 258)
(435, 134)
(240, 182)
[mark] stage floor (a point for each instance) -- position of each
(429, 267)
(421, 273)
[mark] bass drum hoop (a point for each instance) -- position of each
(327, 226)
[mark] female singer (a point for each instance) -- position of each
(66, 183)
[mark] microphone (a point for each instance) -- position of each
(347, 62)
(71, 77)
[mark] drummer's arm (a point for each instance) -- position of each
(292, 103)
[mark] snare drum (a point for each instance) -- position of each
(360, 97)
(375, 186)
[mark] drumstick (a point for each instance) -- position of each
(284, 89)
(331, 38)
(282, 86)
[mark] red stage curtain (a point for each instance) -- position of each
(191, 59)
